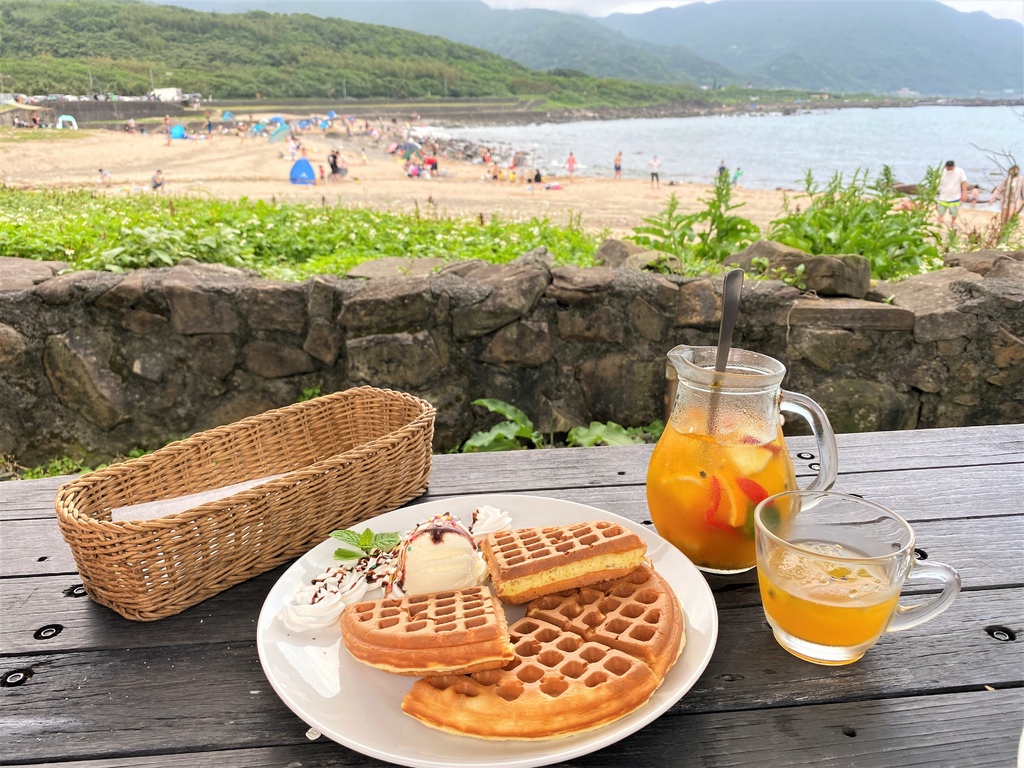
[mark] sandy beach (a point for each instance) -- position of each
(228, 167)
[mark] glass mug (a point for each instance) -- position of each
(831, 568)
(722, 452)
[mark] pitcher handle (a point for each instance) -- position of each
(828, 458)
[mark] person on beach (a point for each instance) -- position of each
(570, 165)
(655, 166)
(723, 169)
(618, 165)
(1010, 194)
(952, 191)
(104, 177)
(157, 182)
(737, 176)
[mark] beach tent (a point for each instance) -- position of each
(280, 133)
(325, 124)
(227, 115)
(69, 120)
(276, 119)
(332, 114)
(178, 131)
(302, 172)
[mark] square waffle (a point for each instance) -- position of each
(449, 632)
(530, 562)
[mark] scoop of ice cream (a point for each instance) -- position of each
(487, 519)
(437, 555)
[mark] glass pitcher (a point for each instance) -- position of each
(722, 452)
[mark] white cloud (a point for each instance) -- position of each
(1000, 9)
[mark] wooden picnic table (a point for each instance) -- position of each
(82, 686)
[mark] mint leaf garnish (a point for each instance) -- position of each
(346, 554)
(349, 537)
(385, 542)
(367, 541)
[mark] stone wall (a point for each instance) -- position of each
(93, 363)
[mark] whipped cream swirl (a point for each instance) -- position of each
(486, 520)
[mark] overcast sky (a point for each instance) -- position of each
(1001, 9)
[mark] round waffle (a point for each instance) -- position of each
(583, 658)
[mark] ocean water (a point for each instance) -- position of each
(775, 150)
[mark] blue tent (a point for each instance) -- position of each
(178, 131)
(228, 115)
(302, 172)
(276, 119)
(332, 114)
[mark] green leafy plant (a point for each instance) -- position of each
(761, 268)
(284, 241)
(897, 236)
(309, 393)
(699, 242)
(365, 543)
(515, 432)
(611, 433)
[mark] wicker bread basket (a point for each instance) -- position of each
(342, 459)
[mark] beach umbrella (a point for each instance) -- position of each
(279, 134)
(392, 147)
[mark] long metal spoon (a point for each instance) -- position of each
(730, 309)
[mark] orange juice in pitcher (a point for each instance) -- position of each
(722, 452)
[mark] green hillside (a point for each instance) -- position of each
(60, 46)
(848, 45)
(538, 39)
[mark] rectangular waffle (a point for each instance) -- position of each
(445, 633)
(527, 563)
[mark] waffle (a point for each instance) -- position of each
(583, 658)
(530, 562)
(558, 684)
(637, 614)
(445, 633)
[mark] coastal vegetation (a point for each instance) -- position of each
(284, 241)
(899, 237)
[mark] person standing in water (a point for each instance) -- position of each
(618, 165)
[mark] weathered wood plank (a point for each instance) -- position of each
(977, 729)
(987, 552)
(108, 699)
(918, 495)
(494, 472)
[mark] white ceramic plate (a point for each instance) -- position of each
(360, 707)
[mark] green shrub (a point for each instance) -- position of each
(698, 243)
(861, 217)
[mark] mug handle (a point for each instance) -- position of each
(811, 412)
(908, 616)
